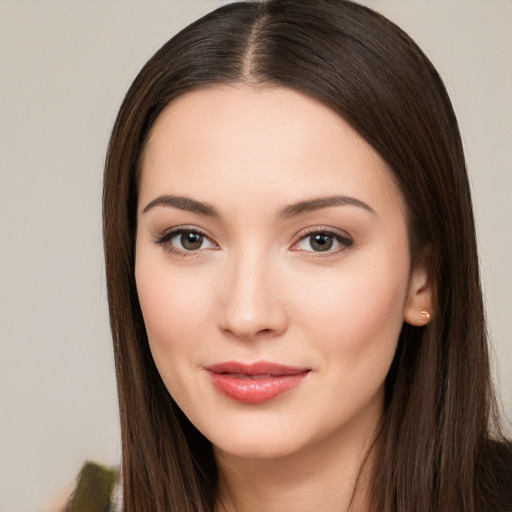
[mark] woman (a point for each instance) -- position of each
(292, 274)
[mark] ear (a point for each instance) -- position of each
(418, 306)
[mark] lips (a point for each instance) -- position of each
(255, 383)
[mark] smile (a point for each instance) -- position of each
(255, 383)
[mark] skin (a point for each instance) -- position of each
(256, 289)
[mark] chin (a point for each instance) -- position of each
(266, 439)
(263, 448)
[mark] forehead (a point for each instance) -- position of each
(271, 141)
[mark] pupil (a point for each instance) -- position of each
(191, 241)
(321, 242)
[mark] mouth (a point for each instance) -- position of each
(255, 383)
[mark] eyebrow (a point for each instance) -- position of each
(182, 203)
(292, 210)
(311, 205)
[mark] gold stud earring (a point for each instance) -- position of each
(425, 315)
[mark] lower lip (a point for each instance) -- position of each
(255, 390)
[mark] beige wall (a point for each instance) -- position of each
(64, 67)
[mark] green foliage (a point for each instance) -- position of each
(93, 490)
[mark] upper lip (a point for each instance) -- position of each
(257, 368)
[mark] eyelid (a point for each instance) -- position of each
(165, 238)
(343, 238)
(346, 241)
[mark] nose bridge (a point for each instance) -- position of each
(252, 302)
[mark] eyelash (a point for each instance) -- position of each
(344, 241)
(165, 239)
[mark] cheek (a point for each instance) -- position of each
(358, 312)
(175, 309)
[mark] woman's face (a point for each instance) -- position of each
(273, 270)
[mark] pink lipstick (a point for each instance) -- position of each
(255, 383)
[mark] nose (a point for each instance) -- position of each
(252, 301)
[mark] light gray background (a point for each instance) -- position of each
(64, 68)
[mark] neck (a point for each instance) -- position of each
(330, 475)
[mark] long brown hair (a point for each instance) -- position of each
(434, 450)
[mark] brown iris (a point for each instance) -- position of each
(321, 242)
(191, 241)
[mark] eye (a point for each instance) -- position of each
(323, 241)
(184, 241)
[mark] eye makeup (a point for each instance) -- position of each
(185, 241)
(190, 240)
(322, 241)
